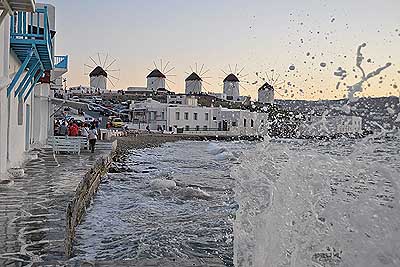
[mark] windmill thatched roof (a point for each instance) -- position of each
(98, 71)
(193, 77)
(156, 73)
(231, 78)
(266, 86)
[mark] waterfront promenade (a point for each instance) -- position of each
(33, 208)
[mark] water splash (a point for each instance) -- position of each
(318, 206)
(357, 87)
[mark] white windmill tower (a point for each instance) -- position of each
(232, 84)
(98, 79)
(155, 80)
(158, 77)
(194, 82)
(266, 93)
(100, 71)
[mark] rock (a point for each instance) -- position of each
(160, 184)
(119, 167)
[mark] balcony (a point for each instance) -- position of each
(31, 41)
(29, 30)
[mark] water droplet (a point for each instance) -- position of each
(292, 67)
(323, 64)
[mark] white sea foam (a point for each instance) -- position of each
(309, 208)
(160, 184)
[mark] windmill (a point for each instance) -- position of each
(233, 82)
(194, 82)
(160, 76)
(102, 68)
(270, 84)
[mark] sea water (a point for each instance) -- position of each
(272, 203)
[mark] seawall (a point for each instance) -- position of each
(84, 192)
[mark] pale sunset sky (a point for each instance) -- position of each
(258, 35)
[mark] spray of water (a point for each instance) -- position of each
(313, 207)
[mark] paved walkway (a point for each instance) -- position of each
(32, 210)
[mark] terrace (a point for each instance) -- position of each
(31, 41)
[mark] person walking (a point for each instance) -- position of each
(85, 130)
(92, 136)
(63, 131)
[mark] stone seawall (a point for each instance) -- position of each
(83, 194)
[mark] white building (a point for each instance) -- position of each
(98, 79)
(195, 120)
(182, 99)
(330, 125)
(26, 64)
(193, 84)
(155, 80)
(84, 90)
(266, 94)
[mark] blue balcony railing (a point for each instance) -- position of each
(61, 62)
(30, 39)
(32, 29)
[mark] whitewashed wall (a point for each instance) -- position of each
(13, 135)
(193, 87)
(41, 113)
(4, 79)
(154, 83)
(232, 89)
(266, 96)
(191, 122)
(99, 82)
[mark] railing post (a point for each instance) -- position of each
(12, 24)
(45, 23)
(19, 29)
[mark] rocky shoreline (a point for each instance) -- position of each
(124, 144)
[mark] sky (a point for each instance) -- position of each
(298, 44)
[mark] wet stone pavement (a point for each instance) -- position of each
(32, 208)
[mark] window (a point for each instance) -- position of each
(177, 114)
(20, 112)
(251, 123)
(197, 128)
(234, 123)
(187, 128)
(206, 116)
(162, 115)
(205, 128)
(186, 115)
(244, 123)
(195, 116)
(214, 118)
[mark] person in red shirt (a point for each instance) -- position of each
(73, 129)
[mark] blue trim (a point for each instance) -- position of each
(19, 72)
(32, 86)
(24, 35)
(28, 77)
(61, 62)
